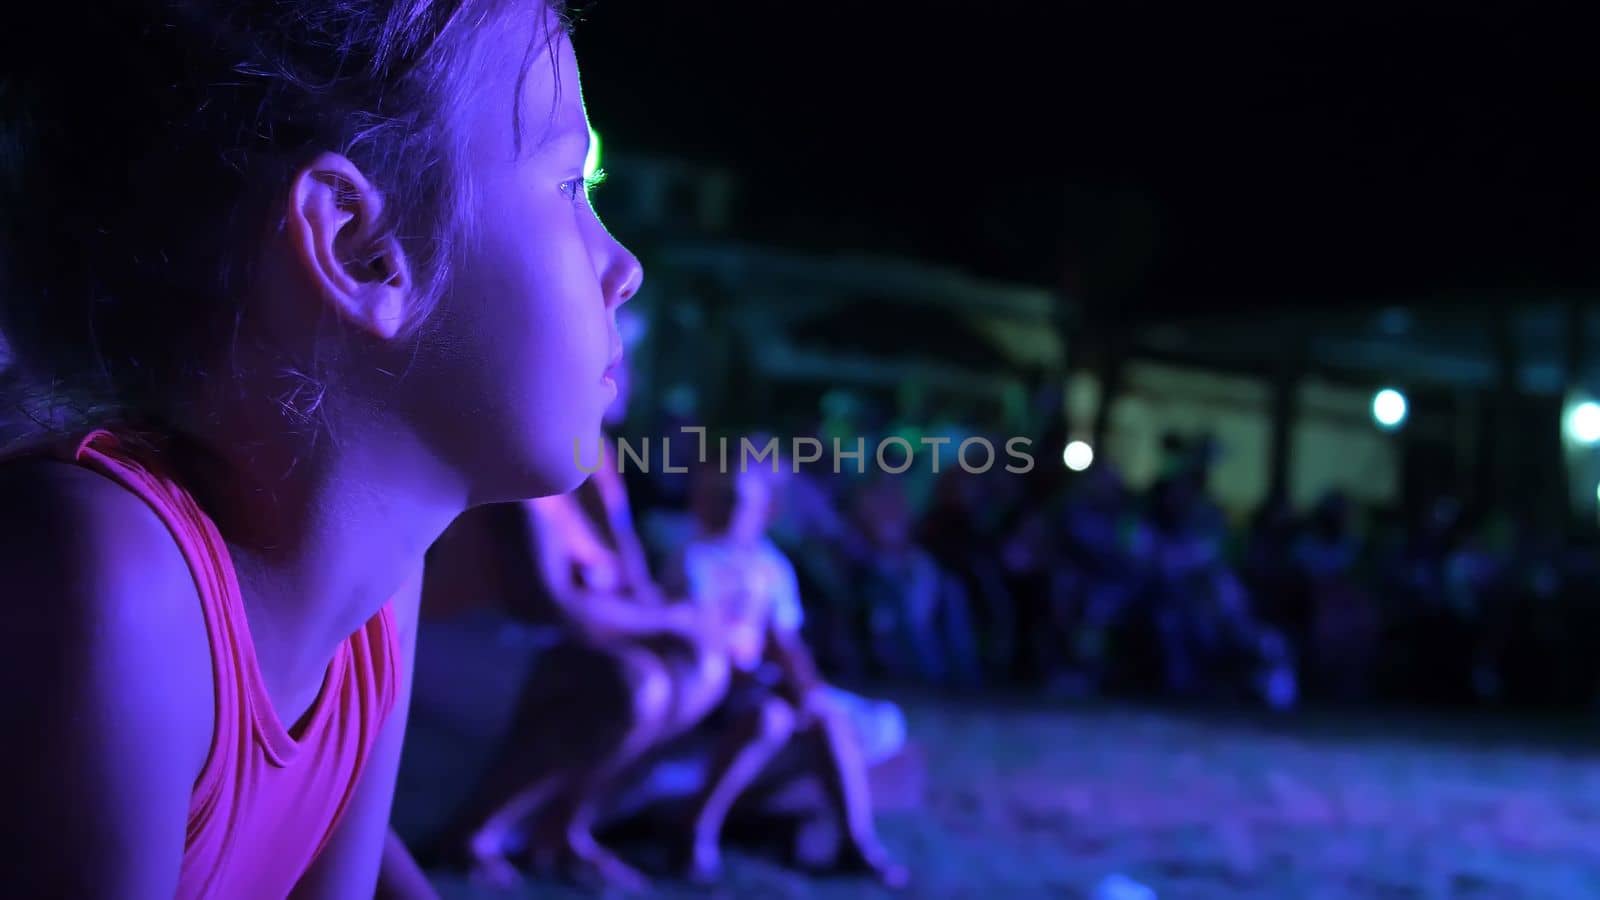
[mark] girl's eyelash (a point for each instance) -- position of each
(581, 188)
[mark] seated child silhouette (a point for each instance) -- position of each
(738, 577)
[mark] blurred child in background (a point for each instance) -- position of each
(739, 578)
(919, 620)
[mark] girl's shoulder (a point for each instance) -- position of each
(44, 499)
(103, 643)
(68, 532)
(90, 569)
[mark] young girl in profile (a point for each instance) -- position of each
(287, 287)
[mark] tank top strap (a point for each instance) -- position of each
(131, 463)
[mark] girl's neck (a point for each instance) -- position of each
(321, 531)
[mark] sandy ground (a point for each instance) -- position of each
(1027, 800)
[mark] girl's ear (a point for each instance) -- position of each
(337, 231)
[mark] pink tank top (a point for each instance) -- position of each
(268, 798)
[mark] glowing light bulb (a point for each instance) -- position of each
(1583, 423)
(1078, 456)
(1389, 408)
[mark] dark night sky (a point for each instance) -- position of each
(1193, 159)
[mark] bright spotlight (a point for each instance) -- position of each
(1078, 456)
(1583, 423)
(1389, 408)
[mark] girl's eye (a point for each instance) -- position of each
(579, 189)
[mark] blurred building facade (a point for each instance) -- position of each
(743, 335)
(739, 330)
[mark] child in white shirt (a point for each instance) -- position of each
(739, 576)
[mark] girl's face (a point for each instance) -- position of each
(516, 368)
(621, 376)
